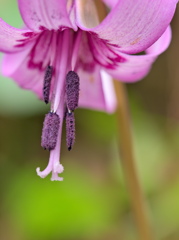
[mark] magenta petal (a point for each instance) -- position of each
(137, 66)
(96, 91)
(13, 39)
(110, 3)
(28, 67)
(16, 66)
(45, 14)
(132, 25)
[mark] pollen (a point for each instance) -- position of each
(47, 83)
(50, 131)
(72, 90)
(70, 130)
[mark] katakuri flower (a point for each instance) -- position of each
(66, 56)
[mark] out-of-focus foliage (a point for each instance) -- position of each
(45, 210)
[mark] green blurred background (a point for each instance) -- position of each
(93, 201)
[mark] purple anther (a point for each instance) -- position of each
(70, 130)
(47, 83)
(72, 90)
(50, 131)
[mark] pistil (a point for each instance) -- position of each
(62, 66)
(61, 88)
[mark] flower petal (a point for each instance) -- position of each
(137, 66)
(132, 25)
(96, 91)
(19, 67)
(104, 54)
(48, 14)
(110, 3)
(13, 39)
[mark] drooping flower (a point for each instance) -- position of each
(64, 55)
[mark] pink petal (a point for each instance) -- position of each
(110, 3)
(103, 53)
(16, 66)
(137, 66)
(96, 91)
(96, 87)
(132, 25)
(45, 14)
(13, 39)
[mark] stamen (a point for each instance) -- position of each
(70, 130)
(50, 131)
(76, 47)
(47, 83)
(72, 90)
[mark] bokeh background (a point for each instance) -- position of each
(93, 201)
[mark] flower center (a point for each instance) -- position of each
(61, 88)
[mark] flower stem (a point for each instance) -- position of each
(128, 163)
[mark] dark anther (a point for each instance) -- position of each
(70, 130)
(50, 131)
(72, 90)
(47, 83)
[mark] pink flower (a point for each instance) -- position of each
(64, 42)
